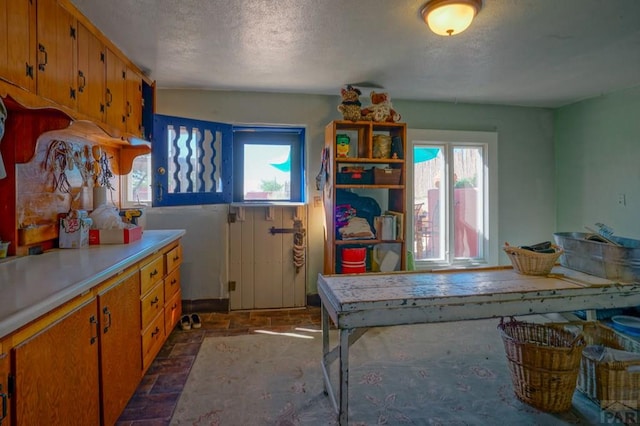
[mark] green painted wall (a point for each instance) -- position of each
(597, 160)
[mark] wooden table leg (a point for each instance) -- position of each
(343, 411)
(325, 347)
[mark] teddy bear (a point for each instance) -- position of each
(380, 109)
(350, 106)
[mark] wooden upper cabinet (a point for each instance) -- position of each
(91, 74)
(134, 102)
(18, 43)
(56, 53)
(115, 91)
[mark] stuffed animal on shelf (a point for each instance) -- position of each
(350, 106)
(380, 109)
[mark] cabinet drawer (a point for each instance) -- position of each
(152, 303)
(172, 312)
(171, 284)
(174, 258)
(152, 340)
(151, 273)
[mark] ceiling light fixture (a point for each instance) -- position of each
(450, 17)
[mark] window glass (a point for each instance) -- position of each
(267, 172)
(454, 204)
(269, 164)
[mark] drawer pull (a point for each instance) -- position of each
(156, 331)
(153, 274)
(155, 300)
(173, 281)
(176, 258)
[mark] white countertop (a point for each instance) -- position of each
(31, 286)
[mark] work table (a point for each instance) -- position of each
(31, 286)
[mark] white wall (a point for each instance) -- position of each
(525, 153)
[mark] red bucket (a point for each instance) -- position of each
(354, 260)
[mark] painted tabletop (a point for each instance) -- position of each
(410, 297)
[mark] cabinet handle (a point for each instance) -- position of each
(153, 274)
(109, 97)
(43, 49)
(176, 258)
(92, 320)
(173, 281)
(107, 313)
(82, 81)
(155, 300)
(154, 332)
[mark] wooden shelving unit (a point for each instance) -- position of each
(342, 188)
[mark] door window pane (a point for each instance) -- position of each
(428, 174)
(467, 202)
(267, 172)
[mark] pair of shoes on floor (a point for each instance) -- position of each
(187, 322)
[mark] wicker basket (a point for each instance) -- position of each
(613, 385)
(544, 363)
(529, 262)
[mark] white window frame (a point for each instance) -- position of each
(491, 244)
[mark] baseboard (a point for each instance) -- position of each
(205, 305)
(313, 300)
(222, 305)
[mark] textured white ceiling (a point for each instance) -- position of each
(518, 52)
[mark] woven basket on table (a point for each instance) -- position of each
(544, 363)
(613, 385)
(529, 262)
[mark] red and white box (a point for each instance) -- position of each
(74, 229)
(115, 236)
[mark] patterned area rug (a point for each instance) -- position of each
(428, 374)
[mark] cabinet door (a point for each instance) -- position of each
(18, 43)
(56, 53)
(56, 372)
(115, 92)
(134, 102)
(4, 391)
(91, 74)
(120, 346)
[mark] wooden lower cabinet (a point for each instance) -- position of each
(5, 414)
(82, 362)
(56, 372)
(120, 346)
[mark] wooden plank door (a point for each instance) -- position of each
(261, 263)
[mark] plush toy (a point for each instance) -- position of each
(350, 106)
(380, 109)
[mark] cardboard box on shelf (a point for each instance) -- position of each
(115, 236)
